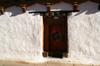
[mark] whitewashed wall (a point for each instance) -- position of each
(21, 33)
(84, 33)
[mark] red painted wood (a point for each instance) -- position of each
(55, 42)
(24, 10)
(48, 8)
(75, 7)
(1, 11)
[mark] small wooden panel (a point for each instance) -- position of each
(45, 54)
(65, 55)
(55, 54)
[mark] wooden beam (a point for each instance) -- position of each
(54, 11)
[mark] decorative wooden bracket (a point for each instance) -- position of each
(48, 6)
(75, 5)
(2, 10)
(23, 8)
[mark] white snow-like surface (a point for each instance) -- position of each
(21, 33)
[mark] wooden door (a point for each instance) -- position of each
(55, 37)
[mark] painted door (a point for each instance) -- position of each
(55, 38)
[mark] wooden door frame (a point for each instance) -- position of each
(46, 38)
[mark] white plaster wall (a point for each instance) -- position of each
(84, 33)
(21, 33)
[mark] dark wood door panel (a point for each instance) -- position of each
(55, 37)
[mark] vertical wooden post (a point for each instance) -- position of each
(67, 35)
(24, 8)
(43, 34)
(2, 10)
(75, 5)
(48, 6)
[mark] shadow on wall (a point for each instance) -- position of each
(18, 10)
(88, 7)
(62, 6)
(36, 7)
(14, 10)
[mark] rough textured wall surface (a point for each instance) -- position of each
(84, 33)
(21, 33)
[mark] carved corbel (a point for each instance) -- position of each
(23, 8)
(2, 10)
(75, 5)
(48, 6)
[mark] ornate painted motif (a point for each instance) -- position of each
(55, 36)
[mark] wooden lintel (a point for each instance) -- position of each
(55, 11)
